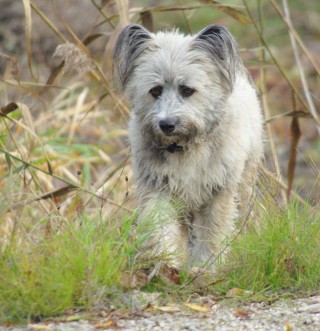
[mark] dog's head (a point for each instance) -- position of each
(177, 85)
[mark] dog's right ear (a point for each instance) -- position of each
(217, 41)
(132, 41)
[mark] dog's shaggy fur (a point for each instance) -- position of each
(195, 133)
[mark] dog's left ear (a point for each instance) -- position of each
(221, 46)
(132, 42)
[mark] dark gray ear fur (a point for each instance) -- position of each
(219, 43)
(131, 42)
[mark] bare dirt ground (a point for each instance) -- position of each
(284, 314)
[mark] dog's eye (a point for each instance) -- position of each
(186, 91)
(156, 91)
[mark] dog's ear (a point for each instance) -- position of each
(132, 41)
(219, 43)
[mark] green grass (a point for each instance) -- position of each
(281, 252)
(80, 263)
(77, 266)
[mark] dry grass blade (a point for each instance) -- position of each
(26, 115)
(27, 11)
(63, 180)
(7, 109)
(54, 75)
(304, 82)
(294, 140)
(34, 88)
(30, 127)
(54, 195)
(14, 66)
(92, 37)
(265, 103)
(77, 40)
(291, 113)
(99, 8)
(273, 58)
(48, 22)
(28, 164)
(231, 11)
(123, 10)
(294, 33)
(295, 137)
(147, 20)
(276, 179)
(75, 116)
(104, 2)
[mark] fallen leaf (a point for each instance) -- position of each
(241, 313)
(150, 307)
(288, 327)
(174, 276)
(7, 324)
(202, 309)
(168, 309)
(106, 324)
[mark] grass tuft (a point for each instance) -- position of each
(75, 267)
(281, 253)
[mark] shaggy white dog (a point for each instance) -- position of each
(195, 134)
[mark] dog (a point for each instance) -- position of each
(195, 134)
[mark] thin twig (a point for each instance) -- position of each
(294, 33)
(275, 61)
(290, 113)
(48, 22)
(304, 82)
(266, 104)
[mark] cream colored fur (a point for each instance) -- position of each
(209, 162)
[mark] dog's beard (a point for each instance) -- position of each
(175, 142)
(181, 140)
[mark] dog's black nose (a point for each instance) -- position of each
(167, 125)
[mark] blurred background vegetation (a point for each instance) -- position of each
(64, 156)
(80, 119)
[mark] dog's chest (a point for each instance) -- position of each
(192, 177)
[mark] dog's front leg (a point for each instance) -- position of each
(208, 229)
(158, 226)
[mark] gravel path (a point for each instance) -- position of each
(284, 315)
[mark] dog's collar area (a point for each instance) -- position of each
(172, 148)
